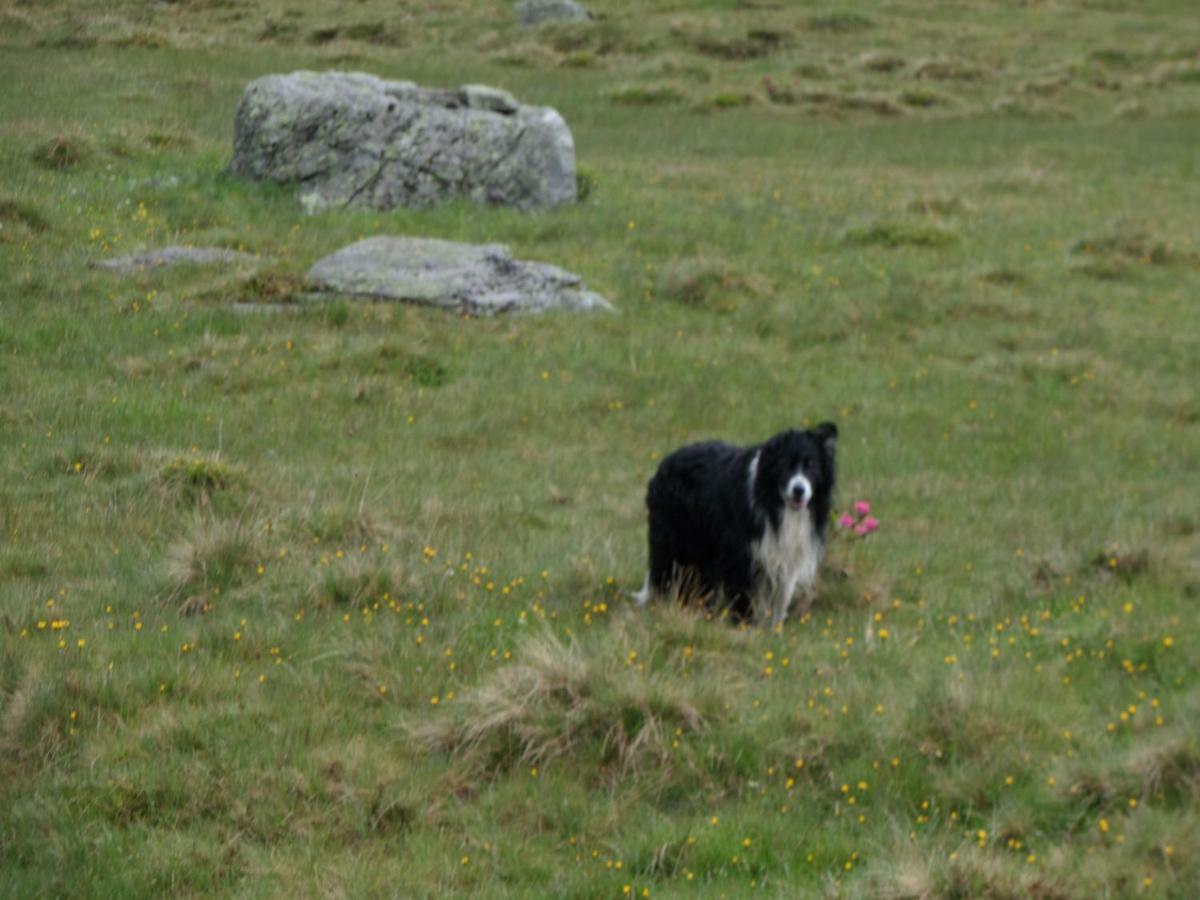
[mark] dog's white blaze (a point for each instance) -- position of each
(787, 559)
(753, 475)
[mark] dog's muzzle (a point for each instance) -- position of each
(798, 492)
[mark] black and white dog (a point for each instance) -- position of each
(742, 527)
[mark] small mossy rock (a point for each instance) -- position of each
(354, 139)
(173, 256)
(535, 12)
(476, 279)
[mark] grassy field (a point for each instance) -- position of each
(332, 602)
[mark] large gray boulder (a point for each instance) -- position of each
(349, 138)
(535, 12)
(477, 279)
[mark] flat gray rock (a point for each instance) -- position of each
(477, 279)
(349, 138)
(535, 12)
(172, 256)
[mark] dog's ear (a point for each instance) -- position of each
(826, 433)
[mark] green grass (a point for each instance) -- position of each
(331, 600)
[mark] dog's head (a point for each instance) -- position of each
(796, 471)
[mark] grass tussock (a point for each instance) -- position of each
(167, 139)
(62, 153)
(902, 234)
(1126, 563)
(677, 68)
(196, 478)
(1030, 107)
(1125, 247)
(725, 100)
(355, 582)
(377, 33)
(35, 720)
(879, 104)
(143, 39)
(562, 699)
(525, 55)
(924, 99)
(74, 34)
(938, 205)
(839, 22)
(595, 38)
(421, 369)
(779, 92)
(24, 215)
(17, 566)
(1113, 57)
(970, 871)
(754, 44)
(278, 31)
(1168, 768)
(975, 872)
(948, 70)
(1121, 253)
(1010, 278)
(832, 102)
(882, 62)
(1184, 72)
(16, 711)
(1163, 770)
(707, 282)
(647, 95)
(216, 556)
(351, 524)
(267, 287)
(586, 184)
(581, 59)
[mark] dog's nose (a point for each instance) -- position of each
(798, 492)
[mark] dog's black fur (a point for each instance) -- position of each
(713, 508)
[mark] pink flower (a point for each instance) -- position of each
(846, 521)
(861, 508)
(866, 526)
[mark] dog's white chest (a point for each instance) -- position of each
(786, 559)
